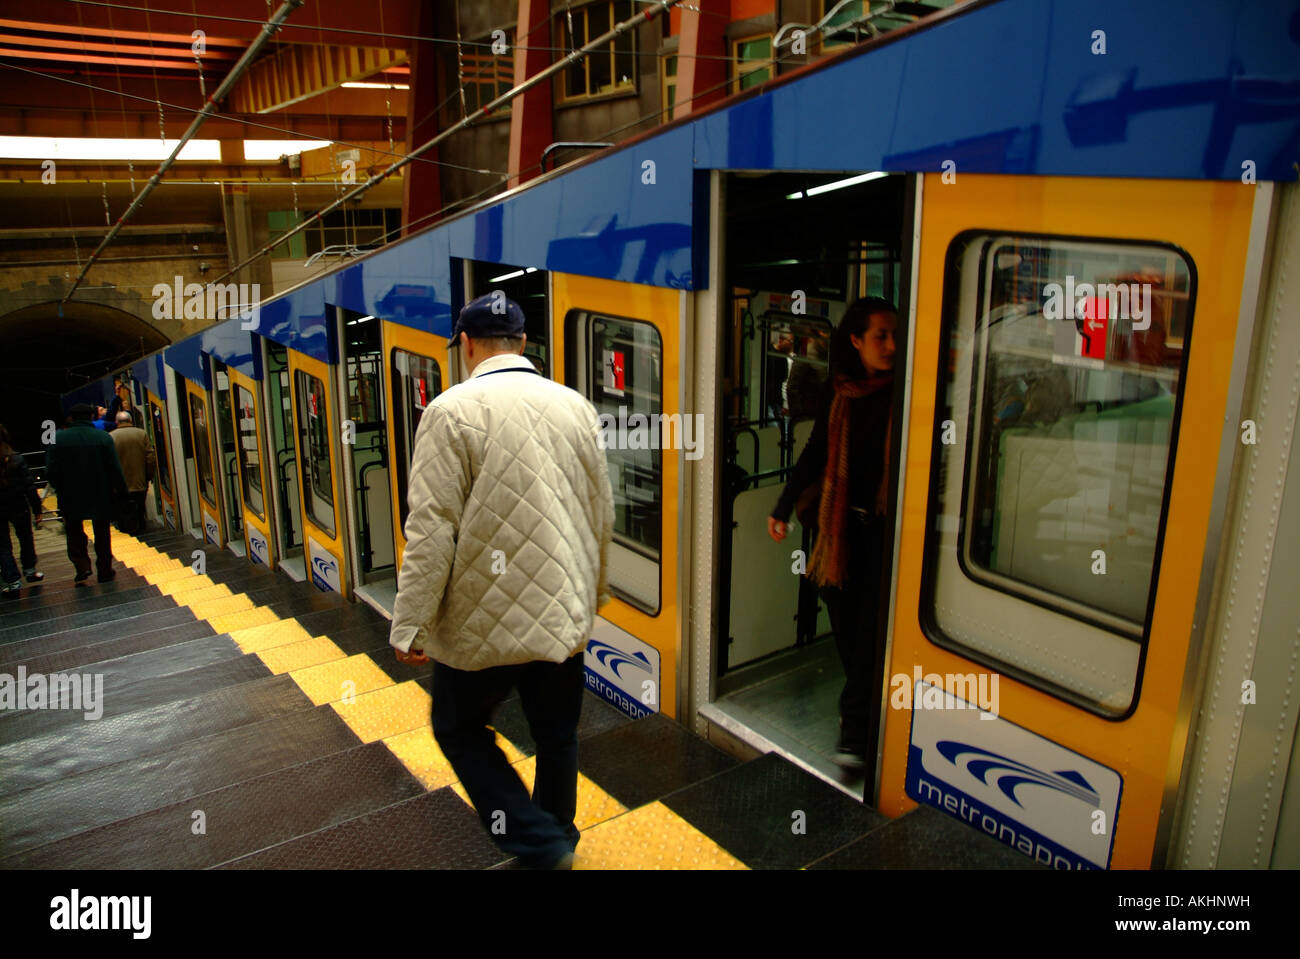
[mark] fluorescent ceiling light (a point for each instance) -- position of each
(511, 276)
(362, 85)
(836, 185)
(274, 149)
(90, 148)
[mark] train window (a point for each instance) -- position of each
(250, 460)
(416, 381)
(1056, 425)
(314, 439)
(202, 449)
(617, 363)
(160, 445)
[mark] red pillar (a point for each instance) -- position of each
(421, 186)
(531, 128)
(700, 50)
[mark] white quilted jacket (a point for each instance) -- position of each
(510, 521)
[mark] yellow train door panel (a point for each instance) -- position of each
(318, 453)
(1073, 346)
(619, 345)
(165, 480)
(251, 445)
(417, 368)
(198, 417)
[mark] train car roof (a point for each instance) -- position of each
(1200, 89)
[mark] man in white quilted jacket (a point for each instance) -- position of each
(507, 538)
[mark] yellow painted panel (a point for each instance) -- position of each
(650, 837)
(268, 635)
(309, 652)
(242, 620)
(660, 307)
(220, 606)
(399, 337)
(250, 518)
(1211, 222)
(332, 542)
(419, 752)
(325, 683)
(386, 712)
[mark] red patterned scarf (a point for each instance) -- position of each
(829, 561)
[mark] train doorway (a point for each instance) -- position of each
(799, 248)
(528, 287)
(366, 460)
(228, 457)
(283, 461)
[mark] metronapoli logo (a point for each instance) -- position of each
(1050, 803)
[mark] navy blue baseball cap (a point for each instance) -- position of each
(492, 314)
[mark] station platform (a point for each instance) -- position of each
(253, 722)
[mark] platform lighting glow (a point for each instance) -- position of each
(362, 85)
(364, 319)
(96, 148)
(836, 185)
(511, 276)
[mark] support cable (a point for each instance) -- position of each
(543, 75)
(268, 30)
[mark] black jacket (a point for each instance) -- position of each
(868, 419)
(17, 488)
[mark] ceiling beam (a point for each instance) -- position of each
(345, 22)
(296, 73)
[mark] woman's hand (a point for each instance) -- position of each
(775, 528)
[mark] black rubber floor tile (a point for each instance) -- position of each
(298, 606)
(92, 744)
(239, 819)
(102, 796)
(647, 759)
(344, 617)
(366, 638)
(125, 695)
(86, 619)
(66, 604)
(111, 649)
(73, 593)
(770, 814)
(925, 839)
(86, 636)
(434, 831)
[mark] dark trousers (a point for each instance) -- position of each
(853, 613)
(539, 830)
(22, 524)
(77, 547)
(132, 513)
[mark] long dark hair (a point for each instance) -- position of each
(845, 360)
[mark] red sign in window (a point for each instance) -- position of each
(312, 396)
(424, 399)
(1096, 320)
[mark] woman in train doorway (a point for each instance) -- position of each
(839, 489)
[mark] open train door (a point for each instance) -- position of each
(1073, 345)
(254, 477)
(317, 424)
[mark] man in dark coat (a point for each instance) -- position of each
(86, 474)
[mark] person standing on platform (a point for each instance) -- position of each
(511, 518)
(136, 454)
(19, 501)
(84, 469)
(839, 487)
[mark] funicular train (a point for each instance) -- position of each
(1072, 517)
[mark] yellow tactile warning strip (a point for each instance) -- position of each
(355, 675)
(374, 708)
(651, 837)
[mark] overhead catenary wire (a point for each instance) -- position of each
(542, 75)
(268, 30)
